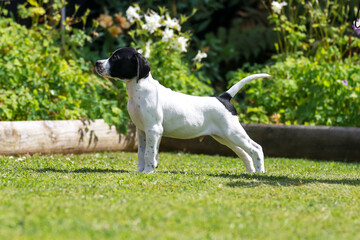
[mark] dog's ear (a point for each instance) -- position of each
(143, 66)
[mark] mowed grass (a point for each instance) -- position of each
(97, 196)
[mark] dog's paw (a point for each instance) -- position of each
(250, 170)
(148, 170)
(138, 170)
(260, 168)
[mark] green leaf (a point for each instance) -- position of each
(37, 11)
(33, 3)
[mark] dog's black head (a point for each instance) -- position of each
(125, 64)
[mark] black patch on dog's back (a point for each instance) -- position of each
(225, 100)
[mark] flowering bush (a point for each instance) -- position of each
(313, 27)
(114, 28)
(356, 26)
(42, 77)
(159, 38)
(38, 82)
(303, 91)
(315, 80)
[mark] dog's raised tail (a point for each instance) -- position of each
(236, 88)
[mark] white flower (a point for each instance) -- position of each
(152, 22)
(167, 35)
(182, 44)
(356, 23)
(276, 6)
(172, 23)
(200, 55)
(132, 13)
(147, 49)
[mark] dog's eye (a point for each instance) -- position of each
(115, 58)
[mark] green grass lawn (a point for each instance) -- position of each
(96, 196)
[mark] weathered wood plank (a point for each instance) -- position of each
(21, 137)
(312, 142)
(329, 143)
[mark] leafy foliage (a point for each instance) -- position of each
(43, 76)
(307, 28)
(165, 52)
(304, 91)
(169, 68)
(243, 35)
(159, 38)
(39, 82)
(315, 79)
(315, 75)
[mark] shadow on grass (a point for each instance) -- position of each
(80, 170)
(241, 180)
(285, 181)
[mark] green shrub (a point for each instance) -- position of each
(161, 41)
(243, 35)
(316, 74)
(38, 82)
(43, 77)
(304, 91)
(307, 28)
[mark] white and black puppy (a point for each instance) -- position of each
(158, 111)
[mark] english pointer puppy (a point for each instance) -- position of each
(158, 111)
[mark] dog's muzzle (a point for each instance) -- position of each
(100, 68)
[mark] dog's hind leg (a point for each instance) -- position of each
(239, 138)
(259, 162)
(247, 160)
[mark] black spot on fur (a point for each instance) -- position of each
(225, 100)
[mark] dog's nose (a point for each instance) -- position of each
(99, 67)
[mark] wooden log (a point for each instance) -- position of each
(329, 143)
(21, 137)
(312, 142)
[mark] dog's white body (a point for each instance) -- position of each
(152, 105)
(158, 111)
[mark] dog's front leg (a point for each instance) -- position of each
(141, 150)
(153, 138)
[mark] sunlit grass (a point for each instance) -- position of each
(97, 196)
